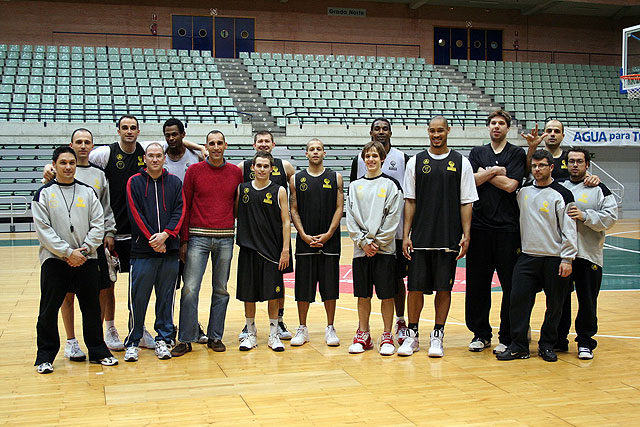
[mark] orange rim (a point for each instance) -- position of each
(631, 77)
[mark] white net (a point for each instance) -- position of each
(633, 92)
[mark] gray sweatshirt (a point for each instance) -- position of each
(67, 217)
(545, 227)
(373, 210)
(600, 213)
(94, 176)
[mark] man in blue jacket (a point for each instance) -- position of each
(155, 205)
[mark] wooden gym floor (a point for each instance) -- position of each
(315, 384)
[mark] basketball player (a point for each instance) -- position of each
(69, 223)
(264, 234)
(317, 202)
(440, 191)
(82, 144)
(595, 211)
(210, 189)
(373, 210)
(155, 205)
(499, 168)
(281, 174)
(549, 245)
(393, 166)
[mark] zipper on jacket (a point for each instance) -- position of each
(155, 184)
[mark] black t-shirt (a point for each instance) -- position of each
(316, 198)
(560, 168)
(497, 209)
(120, 167)
(278, 174)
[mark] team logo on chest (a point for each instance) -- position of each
(140, 161)
(303, 184)
(452, 166)
(583, 198)
(252, 175)
(267, 199)
(545, 207)
(564, 165)
(245, 196)
(426, 168)
(382, 192)
(96, 184)
(119, 161)
(327, 183)
(392, 165)
(81, 203)
(53, 203)
(275, 171)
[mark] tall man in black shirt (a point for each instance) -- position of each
(317, 202)
(499, 168)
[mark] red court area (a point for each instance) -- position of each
(346, 280)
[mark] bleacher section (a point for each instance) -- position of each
(352, 89)
(63, 83)
(579, 95)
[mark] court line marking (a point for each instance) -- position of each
(623, 232)
(464, 324)
(621, 275)
(608, 246)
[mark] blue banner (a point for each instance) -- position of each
(601, 136)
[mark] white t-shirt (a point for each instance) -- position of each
(179, 167)
(468, 191)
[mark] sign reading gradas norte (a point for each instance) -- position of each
(602, 136)
(340, 11)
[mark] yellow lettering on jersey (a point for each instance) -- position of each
(80, 203)
(452, 166)
(583, 198)
(327, 183)
(275, 171)
(545, 207)
(268, 198)
(382, 193)
(140, 161)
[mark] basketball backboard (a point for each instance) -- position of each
(630, 56)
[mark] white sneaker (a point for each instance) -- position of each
(330, 336)
(386, 344)
(44, 368)
(361, 342)
(274, 342)
(283, 332)
(72, 351)
(249, 342)
(410, 344)
(478, 344)
(585, 353)
(112, 339)
(131, 355)
(245, 332)
(162, 351)
(302, 336)
(147, 340)
(500, 348)
(106, 361)
(402, 332)
(436, 349)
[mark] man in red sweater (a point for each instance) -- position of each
(209, 191)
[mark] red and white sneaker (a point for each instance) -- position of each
(361, 342)
(402, 332)
(386, 344)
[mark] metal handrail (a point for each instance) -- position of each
(4, 200)
(618, 192)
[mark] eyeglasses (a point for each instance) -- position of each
(539, 166)
(576, 162)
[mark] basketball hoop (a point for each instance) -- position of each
(630, 79)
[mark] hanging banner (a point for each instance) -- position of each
(601, 136)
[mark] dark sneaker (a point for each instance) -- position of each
(548, 355)
(216, 345)
(585, 353)
(202, 337)
(508, 354)
(181, 349)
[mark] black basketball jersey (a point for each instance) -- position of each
(316, 197)
(259, 221)
(278, 174)
(120, 167)
(560, 168)
(436, 222)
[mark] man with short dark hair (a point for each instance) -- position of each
(499, 168)
(179, 157)
(317, 202)
(155, 205)
(394, 166)
(549, 245)
(69, 223)
(281, 173)
(439, 196)
(595, 211)
(210, 192)
(264, 234)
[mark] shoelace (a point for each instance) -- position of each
(75, 347)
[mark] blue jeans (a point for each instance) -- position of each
(145, 274)
(198, 250)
